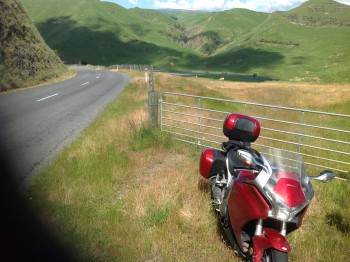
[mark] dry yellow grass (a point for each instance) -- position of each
(274, 93)
(168, 181)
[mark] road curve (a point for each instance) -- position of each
(36, 123)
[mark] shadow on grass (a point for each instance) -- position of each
(244, 59)
(205, 186)
(339, 221)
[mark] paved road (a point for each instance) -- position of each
(36, 123)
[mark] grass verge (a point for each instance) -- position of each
(125, 192)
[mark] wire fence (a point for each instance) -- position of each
(322, 138)
(131, 67)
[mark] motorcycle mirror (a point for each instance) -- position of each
(324, 176)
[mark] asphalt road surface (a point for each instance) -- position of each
(35, 124)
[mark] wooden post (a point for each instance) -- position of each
(152, 100)
(153, 108)
(146, 75)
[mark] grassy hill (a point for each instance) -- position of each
(99, 32)
(25, 59)
(295, 51)
(308, 43)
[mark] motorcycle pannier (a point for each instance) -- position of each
(241, 127)
(212, 162)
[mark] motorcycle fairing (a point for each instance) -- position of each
(269, 239)
(288, 189)
(248, 204)
(284, 208)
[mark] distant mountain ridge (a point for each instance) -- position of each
(308, 43)
(169, 10)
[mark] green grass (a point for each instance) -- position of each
(93, 172)
(125, 192)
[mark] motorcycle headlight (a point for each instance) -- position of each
(279, 210)
(282, 214)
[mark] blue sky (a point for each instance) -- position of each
(216, 5)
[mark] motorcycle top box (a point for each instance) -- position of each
(241, 127)
(237, 127)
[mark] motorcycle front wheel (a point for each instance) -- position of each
(273, 255)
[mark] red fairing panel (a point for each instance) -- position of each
(269, 239)
(245, 204)
(289, 189)
(206, 162)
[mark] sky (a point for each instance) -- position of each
(267, 6)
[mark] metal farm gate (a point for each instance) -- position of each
(323, 139)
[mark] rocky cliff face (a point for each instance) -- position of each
(25, 59)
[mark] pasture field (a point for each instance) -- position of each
(126, 192)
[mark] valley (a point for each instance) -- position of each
(305, 44)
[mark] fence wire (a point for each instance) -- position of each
(322, 138)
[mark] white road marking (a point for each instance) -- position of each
(85, 83)
(47, 97)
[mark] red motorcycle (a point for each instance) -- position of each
(260, 197)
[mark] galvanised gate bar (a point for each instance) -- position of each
(322, 138)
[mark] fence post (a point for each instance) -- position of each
(146, 75)
(199, 122)
(301, 129)
(161, 111)
(152, 100)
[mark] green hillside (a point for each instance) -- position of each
(25, 59)
(308, 43)
(295, 51)
(320, 13)
(99, 32)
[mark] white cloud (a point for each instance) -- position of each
(215, 5)
(347, 2)
(208, 4)
(133, 2)
(172, 4)
(264, 5)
